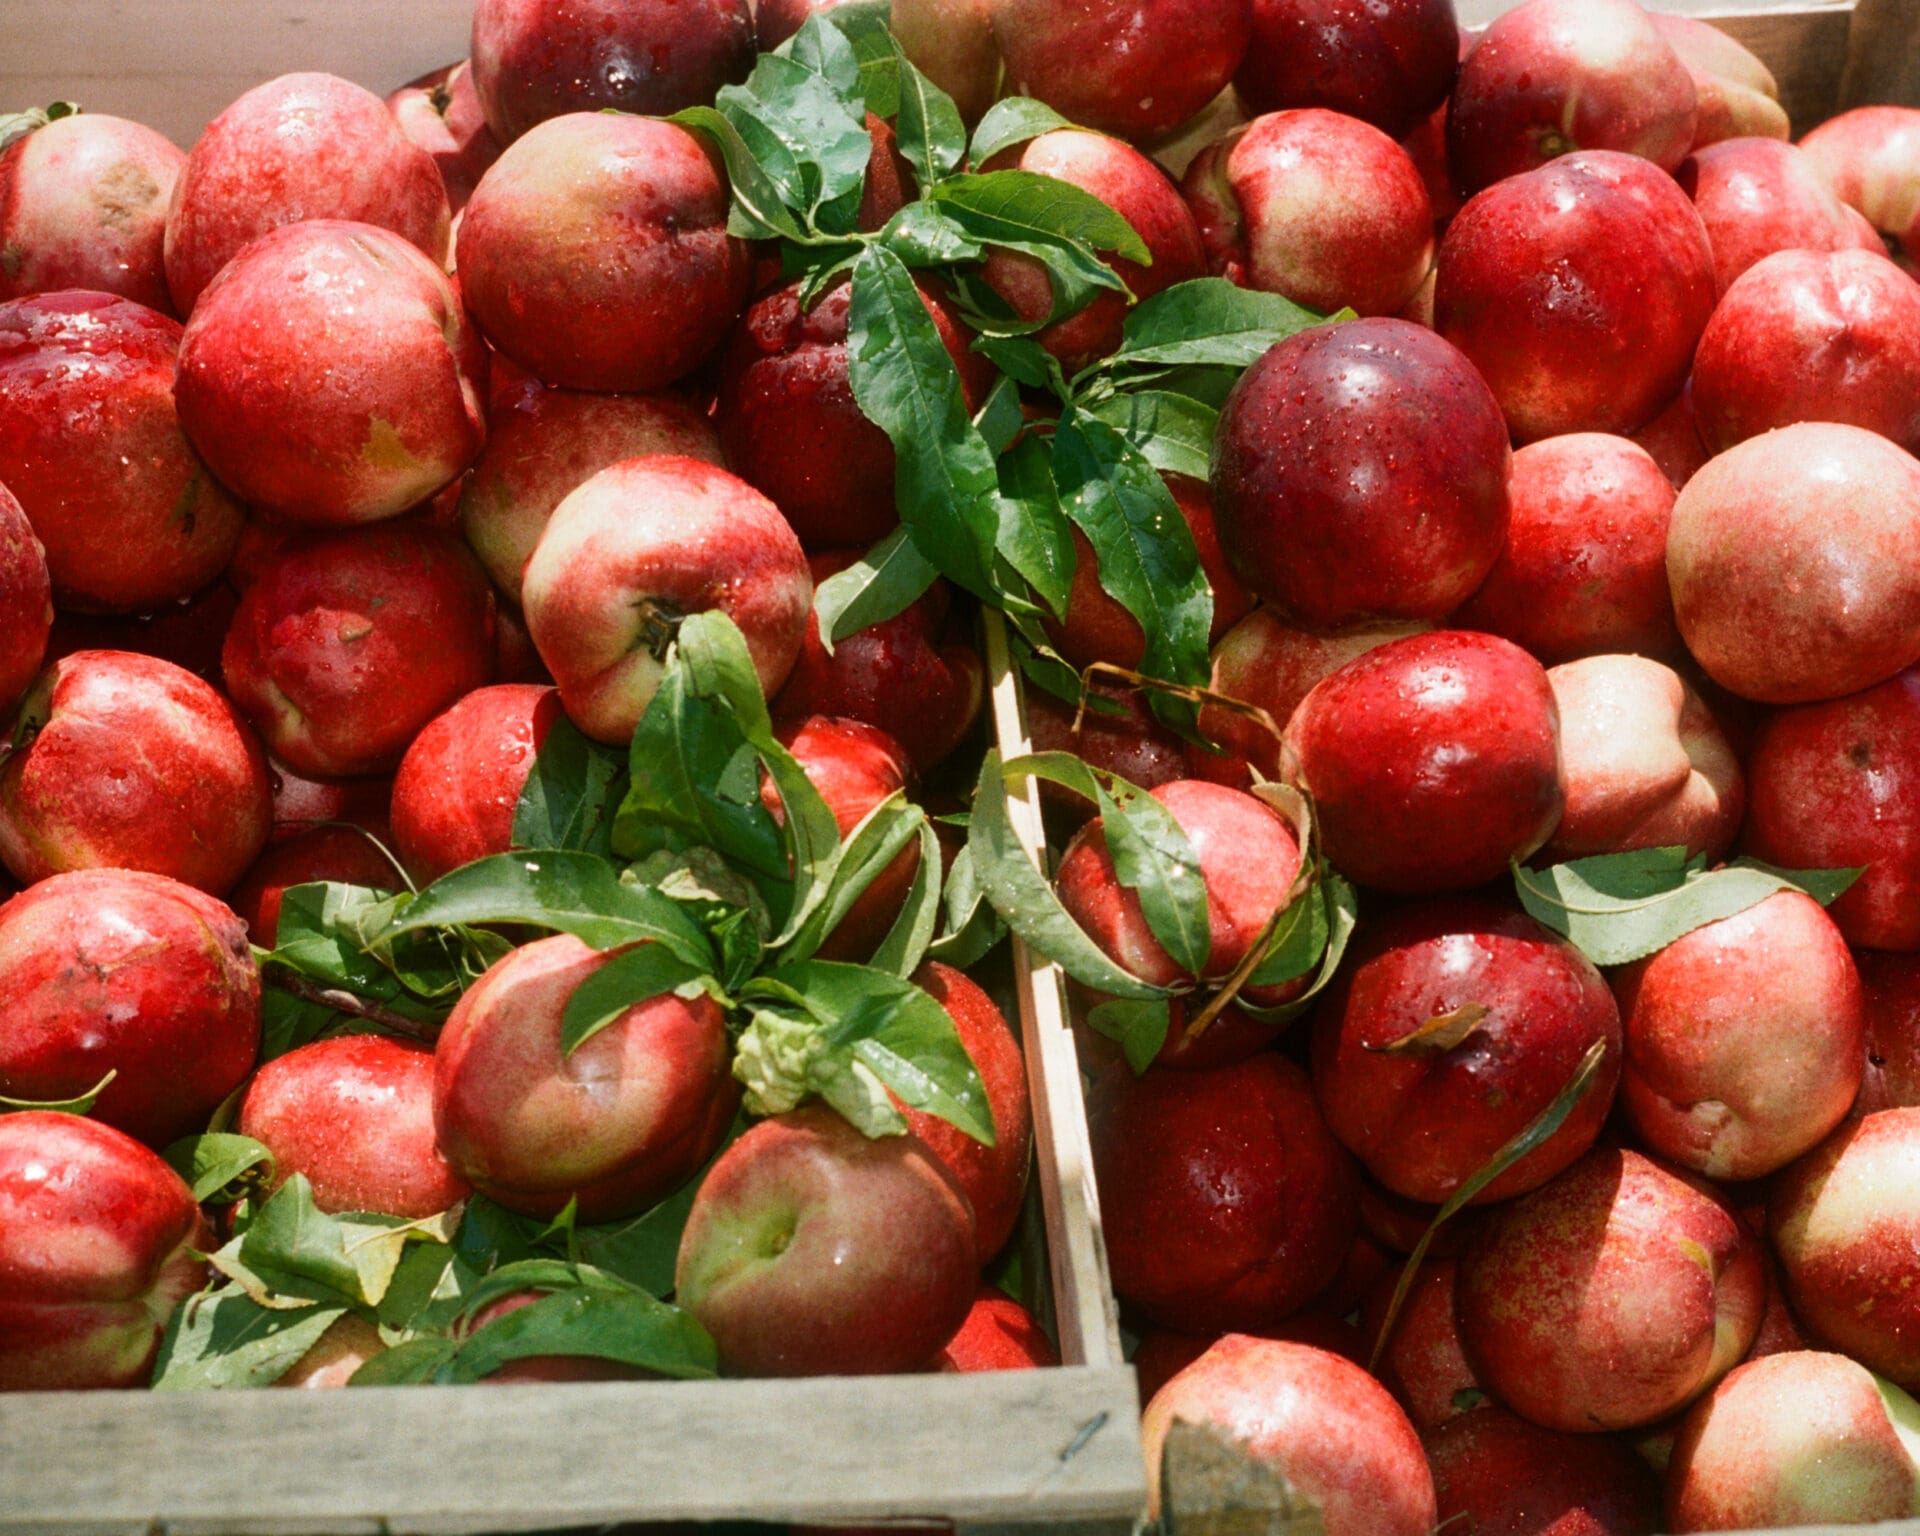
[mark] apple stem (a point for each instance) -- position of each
(659, 626)
(346, 1002)
(1187, 691)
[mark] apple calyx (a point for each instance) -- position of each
(784, 1061)
(660, 623)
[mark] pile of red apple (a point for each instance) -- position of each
(363, 469)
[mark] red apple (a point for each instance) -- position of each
(1119, 176)
(1134, 69)
(1315, 205)
(1324, 1425)
(1745, 1039)
(635, 549)
(788, 422)
(1833, 787)
(1812, 336)
(811, 1249)
(91, 445)
(535, 1368)
(300, 804)
(26, 602)
(917, 676)
(1736, 93)
(1611, 1296)
(1845, 1223)
(1122, 738)
(993, 1178)
(1553, 76)
(1388, 65)
(1225, 1200)
(543, 444)
(188, 633)
(441, 113)
(85, 206)
(97, 1240)
(111, 970)
(1890, 987)
(1432, 761)
(349, 1343)
(1871, 158)
(594, 252)
(1498, 1475)
(1796, 1439)
(455, 791)
(1424, 1112)
(1787, 559)
(192, 801)
(1760, 195)
(1673, 439)
(325, 656)
(1269, 662)
(998, 1335)
(1360, 471)
(1163, 1354)
(330, 375)
(1578, 290)
(537, 59)
(303, 146)
(618, 1124)
(354, 1114)
(1584, 570)
(1643, 763)
(1422, 1361)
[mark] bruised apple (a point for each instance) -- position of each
(96, 1250)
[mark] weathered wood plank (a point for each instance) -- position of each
(173, 64)
(1083, 1295)
(1883, 55)
(1026, 1448)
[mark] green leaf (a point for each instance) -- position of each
(922, 236)
(1034, 535)
(887, 580)
(597, 1321)
(1338, 914)
(327, 931)
(726, 904)
(825, 49)
(1139, 1027)
(1151, 856)
(1000, 418)
(906, 942)
(900, 1034)
(228, 1340)
(809, 135)
(1539, 1130)
(1026, 901)
(414, 1363)
(79, 1104)
(1208, 321)
(1026, 362)
(1148, 562)
(291, 1241)
(631, 977)
(1054, 222)
(931, 136)
(1173, 432)
(758, 211)
(571, 793)
(1013, 120)
(970, 926)
(906, 383)
(560, 891)
(211, 1164)
(868, 850)
(864, 24)
(1621, 907)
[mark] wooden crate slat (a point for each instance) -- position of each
(1883, 55)
(1083, 1295)
(1011, 1447)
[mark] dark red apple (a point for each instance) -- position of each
(1388, 65)
(441, 112)
(1360, 471)
(1498, 1475)
(1890, 988)
(1422, 1361)
(26, 602)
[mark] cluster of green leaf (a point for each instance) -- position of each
(704, 862)
(1153, 858)
(991, 498)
